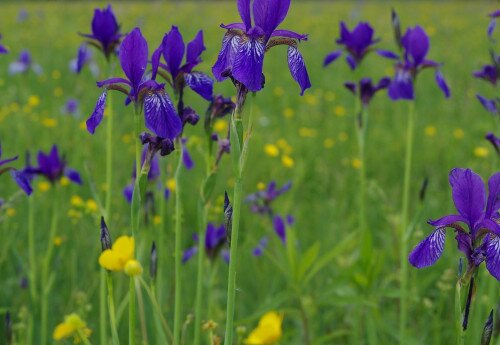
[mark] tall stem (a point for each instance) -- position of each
(31, 250)
(111, 309)
(404, 225)
(178, 247)
(238, 168)
(136, 199)
(202, 219)
(131, 312)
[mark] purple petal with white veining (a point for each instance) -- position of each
(248, 63)
(161, 116)
(95, 119)
(446, 221)
(298, 69)
(401, 86)
(493, 256)
(230, 44)
(427, 252)
(493, 203)
(200, 83)
(269, 14)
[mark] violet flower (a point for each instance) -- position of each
(244, 45)
(357, 43)
(494, 140)
(260, 202)
(83, 57)
(20, 177)
(415, 46)
(186, 157)
(365, 90)
(159, 112)
(53, 167)
(491, 105)
(172, 48)
(215, 240)
(24, 64)
(258, 250)
(105, 34)
(480, 241)
(3, 49)
(491, 27)
(490, 73)
(71, 107)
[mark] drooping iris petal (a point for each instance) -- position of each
(493, 256)
(494, 140)
(279, 228)
(488, 104)
(161, 116)
(249, 62)
(401, 86)
(387, 54)
(468, 194)
(173, 51)
(491, 27)
(188, 254)
(186, 158)
(113, 81)
(416, 44)
(289, 34)
(493, 203)
(230, 44)
(446, 221)
(95, 119)
(351, 61)
(73, 175)
(81, 57)
(298, 69)
(194, 50)
(441, 82)
(350, 86)
(200, 83)
(268, 14)
(488, 73)
(244, 10)
(332, 57)
(427, 252)
(22, 181)
(134, 56)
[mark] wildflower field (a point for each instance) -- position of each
(247, 184)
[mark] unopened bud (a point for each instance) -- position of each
(488, 330)
(154, 262)
(105, 237)
(228, 217)
(133, 268)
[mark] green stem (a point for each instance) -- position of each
(131, 312)
(111, 308)
(202, 219)
(82, 336)
(46, 284)
(178, 247)
(161, 322)
(102, 307)
(31, 250)
(109, 156)
(404, 225)
(136, 199)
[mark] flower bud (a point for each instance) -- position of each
(133, 268)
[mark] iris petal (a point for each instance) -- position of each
(160, 115)
(95, 119)
(200, 83)
(248, 63)
(298, 69)
(427, 252)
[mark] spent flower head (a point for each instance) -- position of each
(476, 225)
(245, 44)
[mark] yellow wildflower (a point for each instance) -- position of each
(121, 257)
(328, 143)
(220, 126)
(11, 212)
(56, 74)
(171, 184)
(330, 96)
(261, 186)
(126, 138)
(339, 110)
(58, 241)
(91, 206)
(311, 99)
(268, 331)
(76, 200)
(43, 186)
(157, 220)
(430, 131)
(64, 181)
(33, 101)
(83, 125)
(343, 136)
(356, 163)
(287, 161)
(58, 91)
(278, 91)
(458, 133)
(271, 150)
(74, 326)
(481, 152)
(288, 112)
(306, 132)
(49, 122)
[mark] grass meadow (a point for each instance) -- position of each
(329, 296)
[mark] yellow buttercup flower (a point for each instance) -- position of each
(268, 332)
(116, 258)
(271, 150)
(74, 326)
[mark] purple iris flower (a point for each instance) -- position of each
(215, 240)
(494, 140)
(24, 63)
(178, 75)
(492, 105)
(159, 112)
(260, 202)
(186, 157)
(480, 242)
(365, 90)
(261, 246)
(490, 73)
(280, 228)
(53, 167)
(244, 45)
(3, 50)
(491, 27)
(20, 177)
(357, 43)
(105, 31)
(84, 57)
(415, 46)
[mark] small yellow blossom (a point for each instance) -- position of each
(283, 145)
(27, 109)
(11, 212)
(343, 136)
(328, 143)
(430, 131)
(58, 91)
(119, 255)
(33, 101)
(14, 107)
(64, 181)
(271, 150)
(76, 201)
(268, 332)
(49, 122)
(288, 112)
(481, 152)
(311, 99)
(91, 205)
(75, 215)
(133, 268)
(171, 184)
(43, 186)
(83, 125)
(58, 241)
(287, 161)
(356, 163)
(261, 186)
(56, 74)
(307, 132)
(74, 326)
(157, 220)
(126, 138)
(220, 126)
(330, 96)
(278, 91)
(458, 133)
(339, 110)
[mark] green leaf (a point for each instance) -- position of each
(236, 133)
(308, 260)
(208, 186)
